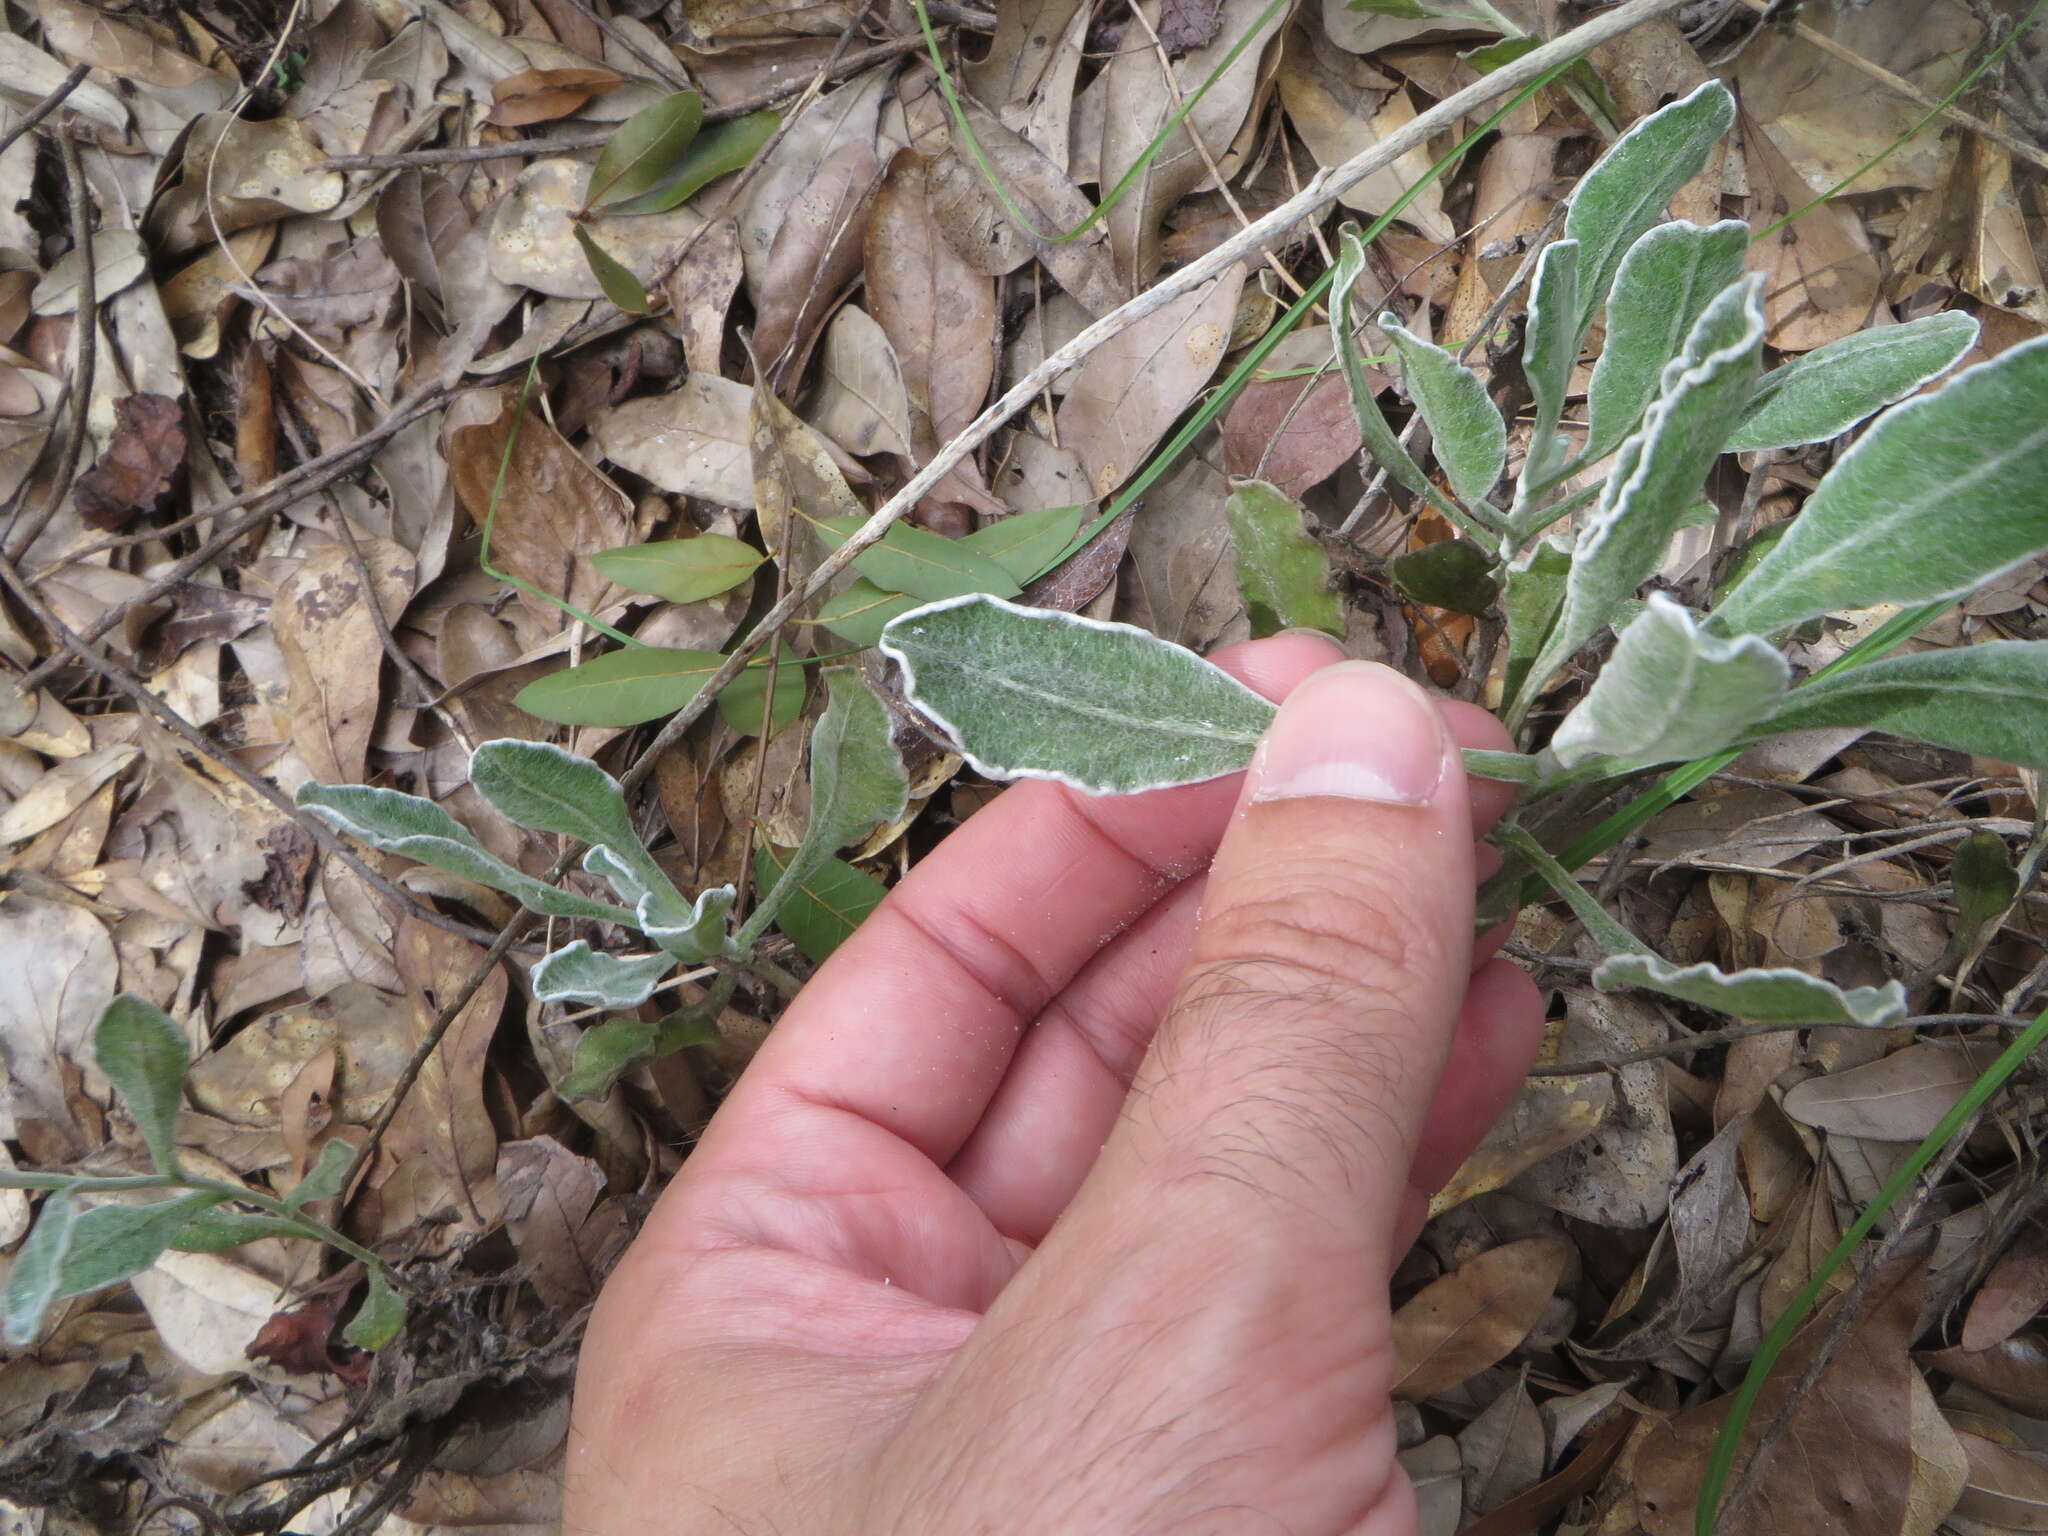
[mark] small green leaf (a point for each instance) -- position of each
(1406, 10)
(1283, 574)
(924, 564)
(219, 1230)
(697, 934)
(645, 150)
(745, 700)
(1550, 350)
(857, 781)
(627, 687)
(1990, 699)
(111, 1242)
(606, 1051)
(1025, 542)
(1535, 597)
(323, 1181)
(1663, 286)
(32, 1281)
(420, 829)
(1451, 573)
(820, 912)
(681, 570)
(144, 1056)
(860, 613)
(1670, 692)
(1107, 708)
(1470, 436)
(1629, 187)
(546, 789)
(614, 277)
(1657, 475)
(576, 973)
(1985, 884)
(1825, 392)
(722, 148)
(1945, 491)
(1765, 996)
(378, 1321)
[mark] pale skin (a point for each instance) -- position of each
(1064, 1197)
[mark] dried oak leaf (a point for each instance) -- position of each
(302, 1341)
(141, 465)
(287, 867)
(1185, 24)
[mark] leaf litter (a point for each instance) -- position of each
(356, 299)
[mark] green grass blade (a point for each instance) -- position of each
(1721, 1461)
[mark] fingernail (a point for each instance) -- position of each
(1357, 730)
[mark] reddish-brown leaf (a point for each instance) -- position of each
(542, 95)
(141, 465)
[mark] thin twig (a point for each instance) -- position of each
(1324, 187)
(847, 64)
(85, 352)
(260, 506)
(1734, 1032)
(45, 107)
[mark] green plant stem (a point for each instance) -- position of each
(1129, 177)
(1721, 1460)
(1169, 454)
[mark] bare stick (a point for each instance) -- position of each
(1324, 187)
(44, 108)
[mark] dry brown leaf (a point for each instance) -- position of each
(816, 253)
(860, 402)
(1293, 432)
(61, 974)
(849, 115)
(549, 1193)
(62, 790)
(1137, 104)
(689, 442)
(1026, 39)
(2001, 266)
(1436, 1474)
(1503, 1450)
(1823, 281)
(142, 463)
(1342, 106)
(2005, 1488)
(796, 484)
(199, 294)
(1846, 1459)
(1900, 1098)
(1941, 1464)
(2014, 1370)
(263, 170)
(421, 220)
(532, 234)
(1133, 386)
(1457, 1326)
(1182, 582)
(700, 291)
(542, 95)
(87, 35)
(2012, 1295)
(554, 511)
(333, 654)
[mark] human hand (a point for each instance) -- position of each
(1065, 1196)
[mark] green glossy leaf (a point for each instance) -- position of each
(860, 612)
(645, 150)
(1107, 708)
(681, 570)
(605, 1051)
(1533, 600)
(1451, 573)
(1657, 475)
(744, 702)
(1764, 996)
(576, 973)
(857, 782)
(1671, 692)
(1550, 349)
(219, 1230)
(324, 1180)
(695, 935)
(1663, 286)
(111, 1242)
(1470, 437)
(1985, 883)
(630, 687)
(1825, 392)
(421, 830)
(1629, 187)
(1407, 10)
(1283, 574)
(719, 149)
(144, 1056)
(821, 911)
(919, 562)
(1942, 493)
(32, 1280)
(614, 277)
(1024, 543)
(1991, 699)
(378, 1320)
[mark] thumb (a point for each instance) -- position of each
(1325, 978)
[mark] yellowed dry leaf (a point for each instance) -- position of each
(1457, 1326)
